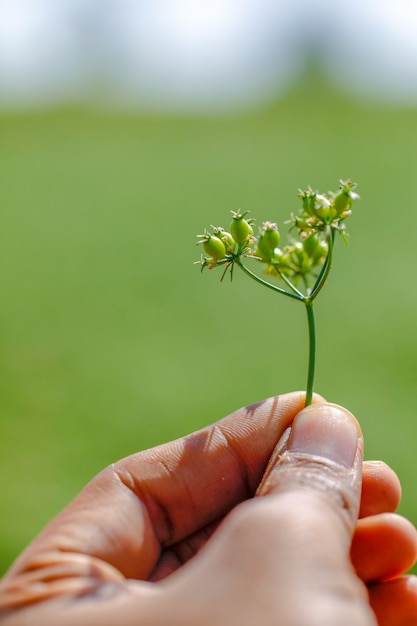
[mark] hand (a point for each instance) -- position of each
(121, 552)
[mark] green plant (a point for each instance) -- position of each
(303, 264)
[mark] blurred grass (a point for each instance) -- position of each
(112, 341)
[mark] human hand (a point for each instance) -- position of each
(120, 553)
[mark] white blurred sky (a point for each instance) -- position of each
(202, 54)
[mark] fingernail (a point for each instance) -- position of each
(326, 430)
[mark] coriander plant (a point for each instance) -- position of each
(302, 265)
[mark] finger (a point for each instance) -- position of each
(384, 546)
(289, 547)
(197, 479)
(395, 602)
(174, 557)
(321, 454)
(381, 489)
(157, 497)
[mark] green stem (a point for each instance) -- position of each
(265, 283)
(308, 300)
(322, 277)
(311, 350)
(291, 286)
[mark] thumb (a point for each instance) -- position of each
(314, 477)
(320, 454)
(284, 558)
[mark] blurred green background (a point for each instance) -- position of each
(112, 340)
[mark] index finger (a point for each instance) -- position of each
(157, 497)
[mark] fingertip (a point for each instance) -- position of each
(326, 430)
(285, 405)
(395, 602)
(381, 489)
(321, 453)
(384, 546)
(292, 400)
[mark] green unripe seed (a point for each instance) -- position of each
(267, 242)
(301, 223)
(310, 244)
(228, 240)
(283, 260)
(320, 252)
(263, 251)
(271, 238)
(278, 255)
(308, 201)
(214, 247)
(342, 202)
(344, 197)
(322, 207)
(298, 252)
(240, 229)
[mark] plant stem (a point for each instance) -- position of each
(291, 286)
(325, 269)
(311, 350)
(308, 300)
(296, 296)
